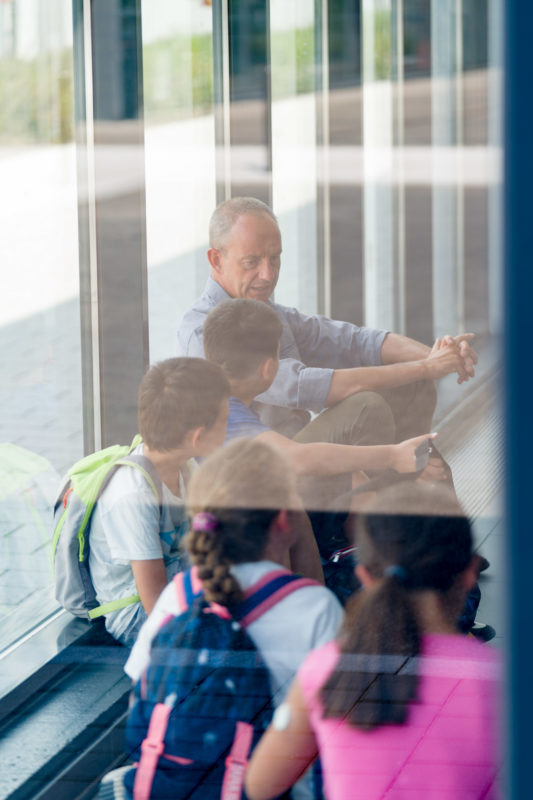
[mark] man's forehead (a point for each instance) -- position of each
(249, 227)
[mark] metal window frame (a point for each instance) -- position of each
(518, 277)
(112, 230)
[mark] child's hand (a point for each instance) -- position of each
(404, 455)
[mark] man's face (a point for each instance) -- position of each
(248, 264)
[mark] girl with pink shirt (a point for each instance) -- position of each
(401, 706)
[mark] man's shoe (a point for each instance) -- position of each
(482, 631)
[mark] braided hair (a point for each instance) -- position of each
(234, 497)
(406, 553)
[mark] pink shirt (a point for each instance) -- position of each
(447, 750)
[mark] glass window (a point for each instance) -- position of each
(41, 426)
(180, 160)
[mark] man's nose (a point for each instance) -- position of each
(265, 271)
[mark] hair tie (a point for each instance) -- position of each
(395, 571)
(204, 521)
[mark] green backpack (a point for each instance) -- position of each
(73, 508)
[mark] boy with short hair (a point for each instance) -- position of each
(183, 410)
(242, 336)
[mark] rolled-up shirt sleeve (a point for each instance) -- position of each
(324, 345)
(324, 342)
(311, 349)
(298, 386)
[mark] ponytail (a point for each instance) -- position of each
(380, 633)
(405, 553)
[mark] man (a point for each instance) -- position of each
(367, 386)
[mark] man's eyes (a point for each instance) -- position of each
(253, 263)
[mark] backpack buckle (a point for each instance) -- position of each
(153, 747)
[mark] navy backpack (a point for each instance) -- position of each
(205, 699)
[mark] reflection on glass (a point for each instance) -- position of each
(180, 159)
(294, 153)
(41, 423)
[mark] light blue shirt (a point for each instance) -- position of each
(311, 348)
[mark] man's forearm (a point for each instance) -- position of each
(442, 359)
(346, 382)
(397, 348)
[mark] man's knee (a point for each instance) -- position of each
(363, 419)
(369, 419)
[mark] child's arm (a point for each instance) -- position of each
(282, 756)
(150, 578)
(304, 555)
(324, 458)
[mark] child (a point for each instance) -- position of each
(241, 501)
(243, 337)
(249, 491)
(183, 409)
(385, 722)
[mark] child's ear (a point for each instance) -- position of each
(365, 578)
(470, 575)
(195, 436)
(266, 368)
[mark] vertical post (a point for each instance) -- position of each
(221, 83)
(384, 219)
(495, 99)
(113, 279)
(518, 276)
(323, 184)
(447, 209)
(397, 75)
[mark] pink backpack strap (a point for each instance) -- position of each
(187, 586)
(265, 580)
(275, 598)
(151, 750)
(236, 762)
(196, 583)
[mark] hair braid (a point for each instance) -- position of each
(240, 489)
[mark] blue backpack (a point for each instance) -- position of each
(205, 698)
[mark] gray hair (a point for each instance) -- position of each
(228, 212)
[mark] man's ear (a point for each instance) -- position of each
(214, 258)
(365, 578)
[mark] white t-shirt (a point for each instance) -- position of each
(301, 621)
(128, 525)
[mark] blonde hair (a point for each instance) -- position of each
(244, 486)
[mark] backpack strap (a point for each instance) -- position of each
(152, 749)
(236, 762)
(145, 466)
(264, 595)
(188, 587)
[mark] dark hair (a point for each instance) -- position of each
(176, 396)
(240, 334)
(407, 552)
(244, 486)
